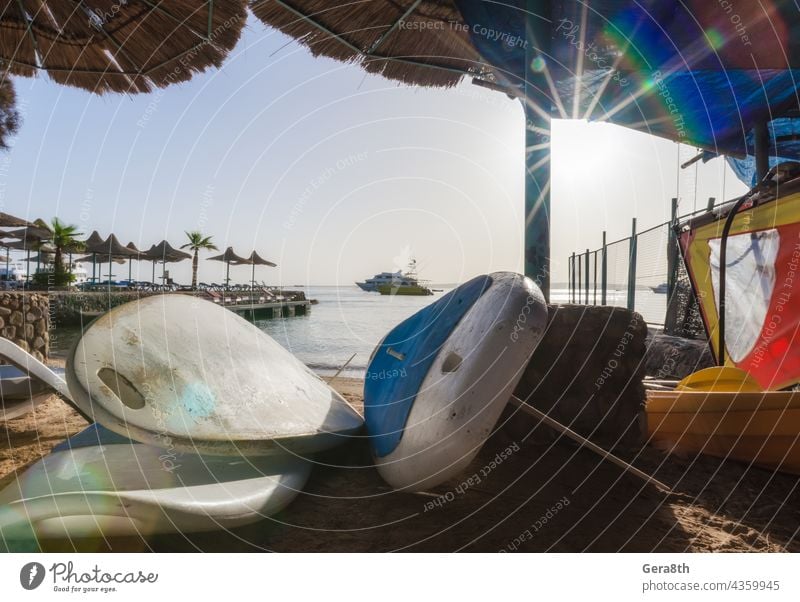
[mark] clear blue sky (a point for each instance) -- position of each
(328, 172)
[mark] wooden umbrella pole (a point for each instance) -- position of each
(607, 455)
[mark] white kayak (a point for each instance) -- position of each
(438, 382)
(177, 371)
(98, 484)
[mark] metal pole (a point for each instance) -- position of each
(594, 300)
(632, 267)
(569, 278)
(574, 281)
(672, 250)
(537, 104)
(586, 276)
(761, 136)
(604, 272)
(579, 283)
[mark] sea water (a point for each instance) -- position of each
(348, 320)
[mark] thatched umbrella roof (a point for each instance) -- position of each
(30, 234)
(229, 256)
(423, 42)
(133, 248)
(110, 247)
(19, 245)
(256, 259)
(94, 239)
(9, 221)
(113, 46)
(93, 258)
(165, 252)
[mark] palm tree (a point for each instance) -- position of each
(64, 239)
(196, 242)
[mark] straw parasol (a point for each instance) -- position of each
(10, 221)
(229, 257)
(254, 260)
(420, 42)
(106, 46)
(92, 241)
(28, 238)
(138, 253)
(165, 253)
(108, 250)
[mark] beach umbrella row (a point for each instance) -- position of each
(109, 250)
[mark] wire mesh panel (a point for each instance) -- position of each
(651, 274)
(679, 313)
(683, 317)
(618, 257)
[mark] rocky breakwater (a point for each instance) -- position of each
(25, 319)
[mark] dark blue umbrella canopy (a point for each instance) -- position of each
(698, 72)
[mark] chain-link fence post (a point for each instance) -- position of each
(586, 275)
(604, 272)
(632, 267)
(573, 282)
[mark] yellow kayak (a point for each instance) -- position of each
(762, 428)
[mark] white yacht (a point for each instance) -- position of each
(371, 284)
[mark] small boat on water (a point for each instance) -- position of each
(370, 285)
(397, 283)
(661, 289)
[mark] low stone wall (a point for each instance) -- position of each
(72, 308)
(25, 320)
(586, 373)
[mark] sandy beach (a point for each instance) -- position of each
(540, 497)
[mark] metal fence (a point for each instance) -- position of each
(642, 272)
